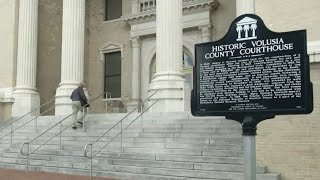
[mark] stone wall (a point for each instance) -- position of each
(8, 35)
(49, 50)
(222, 17)
(290, 144)
(289, 15)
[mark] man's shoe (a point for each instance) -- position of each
(74, 127)
(80, 122)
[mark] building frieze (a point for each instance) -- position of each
(189, 6)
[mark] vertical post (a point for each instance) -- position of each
(28, 158)
(83, 119)
(60, 135)
(11, 134)
(83, 114)
(91, 162)
(154, 4)
(250, 157)
(249, 132)
(141, 111)
(36, 124)
(121, 138)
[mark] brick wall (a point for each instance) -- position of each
(291, 144)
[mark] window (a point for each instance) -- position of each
(152, 68)
(112, 74)
(187, 67)
(113, 9)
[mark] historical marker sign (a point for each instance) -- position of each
(252, 70)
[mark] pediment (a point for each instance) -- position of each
(111, 47)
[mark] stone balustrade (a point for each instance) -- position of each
(148, 5)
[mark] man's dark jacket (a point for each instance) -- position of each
(78, 95)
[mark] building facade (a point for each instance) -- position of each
(48, 47)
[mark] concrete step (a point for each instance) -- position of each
(167, 171)
(152, 156)
(156, 146)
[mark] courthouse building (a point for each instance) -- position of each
(48, 46)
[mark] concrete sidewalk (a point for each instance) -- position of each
(9, 174)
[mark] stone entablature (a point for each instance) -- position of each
(195, 13)
(142, 6)
(144, 9)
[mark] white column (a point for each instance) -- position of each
(136, 74)
(205, 31)
(72, 55)
(25, 94)
(245, 7)
(173, 91)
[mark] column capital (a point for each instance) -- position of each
(135, 41)
(205, 28)
(205, 32)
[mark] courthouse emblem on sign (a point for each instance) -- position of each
(246, 29)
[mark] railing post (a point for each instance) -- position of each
(121, 137)
(83, 119)
(83, 113)
(36, 121)
(141, 112)
(60, 135)
(28, 157)
(91, 155)
(154, 4)
(11, 134)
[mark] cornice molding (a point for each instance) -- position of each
(188, 7)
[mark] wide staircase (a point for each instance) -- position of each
(155, 146)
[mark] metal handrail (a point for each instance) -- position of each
(34, 118)
(120, 133)
(26, 114)
(60, 122)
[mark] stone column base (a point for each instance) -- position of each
(172, 96)
(63, 102)
(25, 103)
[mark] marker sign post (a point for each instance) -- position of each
(252, 74)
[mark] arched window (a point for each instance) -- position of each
(152, 68)
(187, 66)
